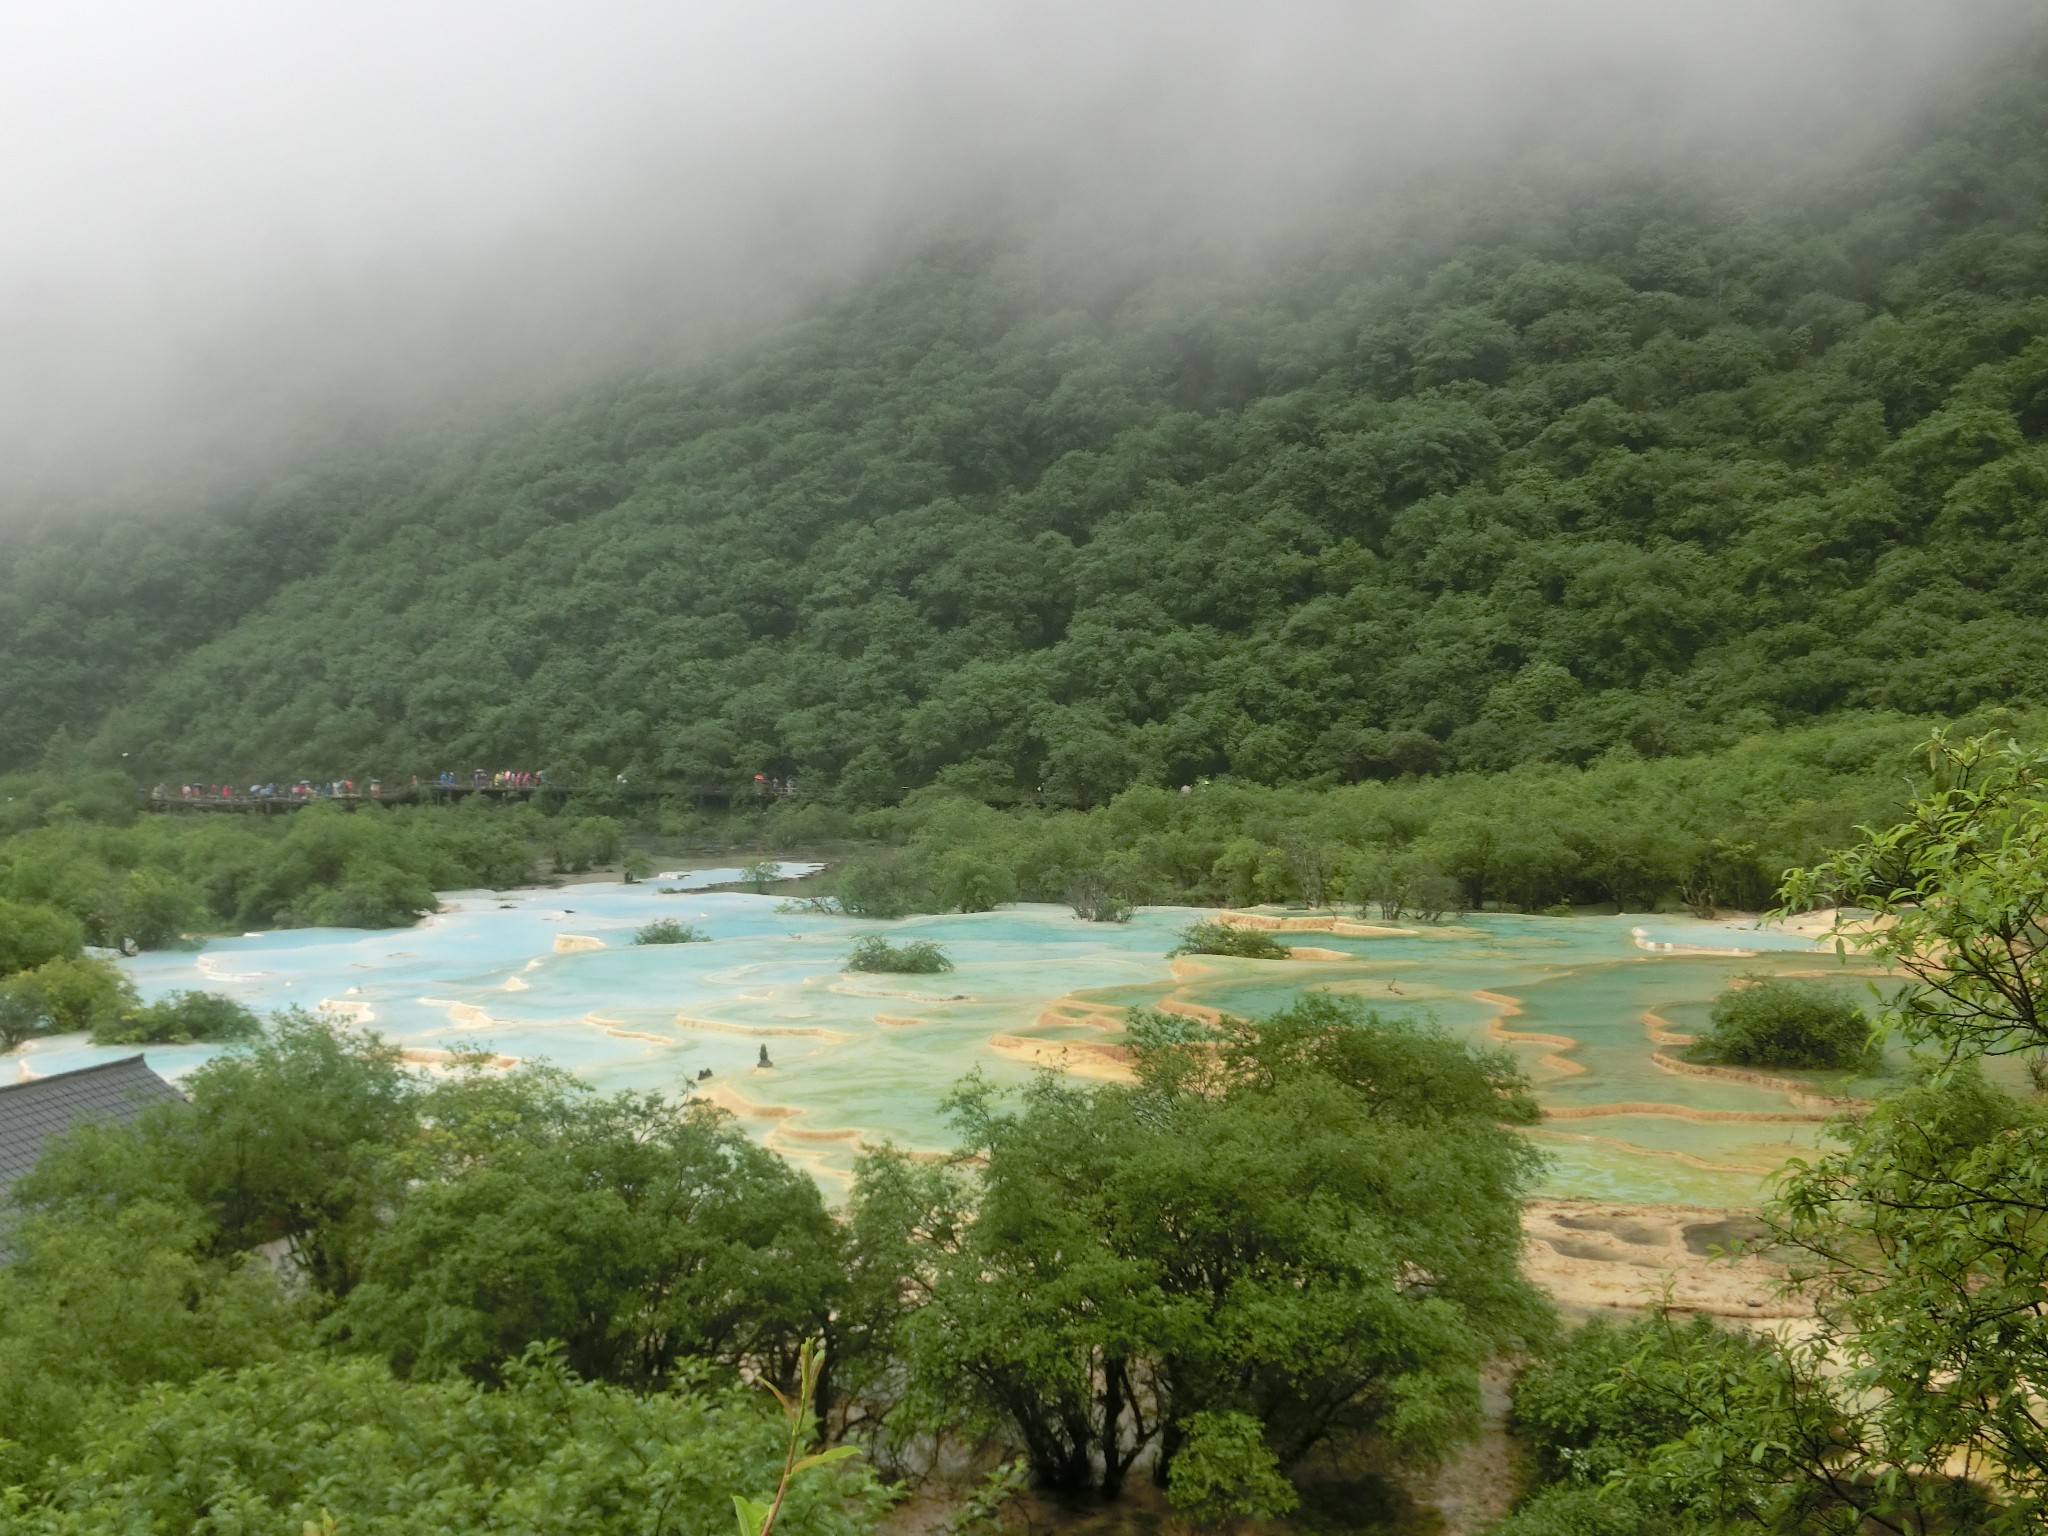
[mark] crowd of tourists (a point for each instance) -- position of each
(517, 779)
(304, 789)
(483, 778)
(520, 781)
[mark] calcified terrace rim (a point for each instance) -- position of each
(1581, 1003)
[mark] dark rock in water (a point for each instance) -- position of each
(702, 1073)
(764, 1057)
(1709, 1238)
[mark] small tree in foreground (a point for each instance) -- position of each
(316, 1443)
(756, 1518)
(1285, 1231)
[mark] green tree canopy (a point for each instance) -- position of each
(1649, 462)
(1766, 1021)
(31, 933)
(98, 1303)
(635, 1233)
(1247, 1232)
(1908, 1402)
(308, 1443)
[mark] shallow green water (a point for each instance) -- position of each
(860, 1057)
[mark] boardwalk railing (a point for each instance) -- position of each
(446, 794)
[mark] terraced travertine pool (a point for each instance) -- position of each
(1581, 1001)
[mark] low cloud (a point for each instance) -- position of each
(236, 232)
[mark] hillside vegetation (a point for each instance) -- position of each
(497, 1299)
(1708, 831)
(1658, 464)
(514, 1304)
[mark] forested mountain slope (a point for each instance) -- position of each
(1653, 465)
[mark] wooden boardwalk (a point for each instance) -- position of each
(349, 800)
(242, 802)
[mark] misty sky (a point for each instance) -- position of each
(224, 219)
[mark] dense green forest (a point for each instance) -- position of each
(1717, 830)
(329, 1293)
(509, 1303)
(1661, 463)
(140, 881)
(81, 864)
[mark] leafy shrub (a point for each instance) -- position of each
(311, 1442)
(109, 1294)
(378, 896)
(1207, 938)
(967, 881)
(1573, 1509)
(1768, 1022)
(666, 930)
(144, 908)
(920, 957)
(1226, 1470)
(634, 1234)
(31, 933)
(883, 887)
(179, 1019)
(60, 996)
(576, 844)
(1597, 1408)
(23, 1012)
(760, 874)
(1584, 1414)
(333, 869)
(1093, 901)
(981, 1512)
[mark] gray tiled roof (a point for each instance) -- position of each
(43, 1107)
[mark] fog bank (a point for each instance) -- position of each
(236, 232)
